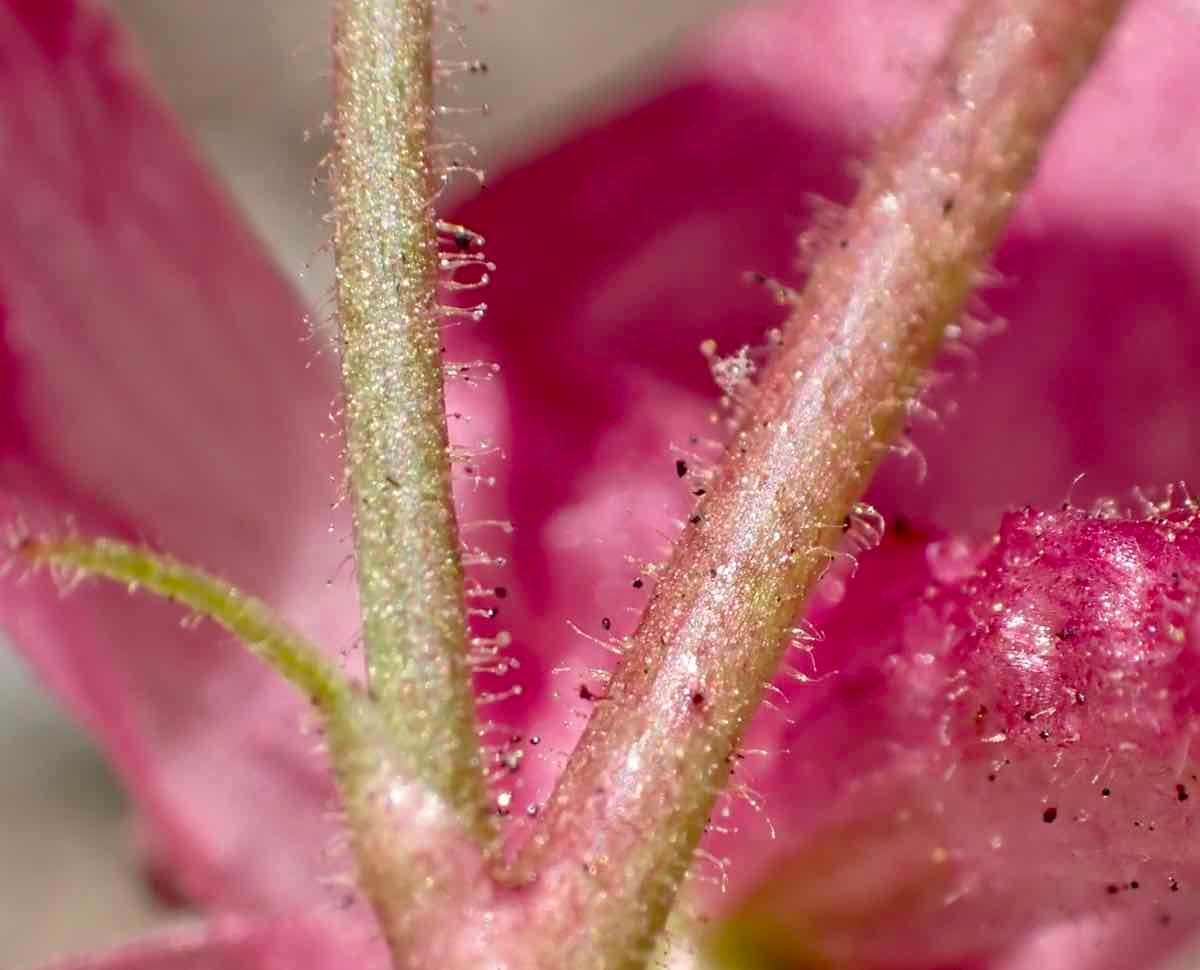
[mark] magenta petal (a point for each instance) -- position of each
(155, 386)
(243, 944)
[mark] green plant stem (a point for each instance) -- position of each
(405, 535)
(621, 828)
(415, 860)
(247, 618)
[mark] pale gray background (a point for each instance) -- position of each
(249, 78)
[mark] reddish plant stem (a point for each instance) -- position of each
(620, 830)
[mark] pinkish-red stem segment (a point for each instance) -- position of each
(621, 828)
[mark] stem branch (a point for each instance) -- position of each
(620, 830)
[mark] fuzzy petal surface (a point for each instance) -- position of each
(1008, 749)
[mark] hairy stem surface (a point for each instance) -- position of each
(405, 534)
(621, 828)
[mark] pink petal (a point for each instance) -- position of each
(156, 385)
(242, 944)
